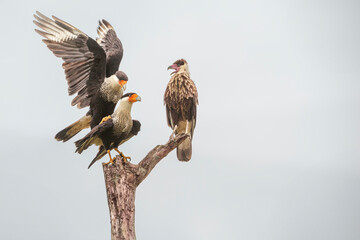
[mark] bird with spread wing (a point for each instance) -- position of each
(91, 68)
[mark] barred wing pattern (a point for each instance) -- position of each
(84, 60)
(112, 46)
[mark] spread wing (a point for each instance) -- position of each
(112, 46)
(84, 60)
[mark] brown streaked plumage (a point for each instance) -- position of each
(91, 68)
(113, 131)
(180, 99)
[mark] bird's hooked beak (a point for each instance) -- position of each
(175, 67)
(123, 84)
(134, 98)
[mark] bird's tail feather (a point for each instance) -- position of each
(184, 150)
(100, 154)
(73, 129)
(84, 143)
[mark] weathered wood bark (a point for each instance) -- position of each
(121, 180)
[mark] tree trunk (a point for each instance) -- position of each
(122, 179)
(120, 188)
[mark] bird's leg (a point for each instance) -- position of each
(111, 159)
(173, 133)
(126, 159)
(105, 119)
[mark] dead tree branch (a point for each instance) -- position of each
(122, 179)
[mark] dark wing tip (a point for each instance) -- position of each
(107, 24)
(136, 127)
(43, 34)
(92, 163)
(41, 15)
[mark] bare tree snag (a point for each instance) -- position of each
(121, 180)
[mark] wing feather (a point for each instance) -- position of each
(112, 46)
(87, 141)
(133, 132)
(102, 151)
(181, 98)
(84, 60)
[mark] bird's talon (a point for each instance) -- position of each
(125, 159)
(105, 119)
(111, 161)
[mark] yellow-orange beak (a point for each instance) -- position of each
(123, 84)
(134, 98)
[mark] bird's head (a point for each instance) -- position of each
(179, 66)
(131, 97)
(122, 79)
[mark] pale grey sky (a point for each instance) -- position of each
(276, 148)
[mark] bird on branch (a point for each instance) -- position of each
(180, 99)
(113, 130)
(91, 68)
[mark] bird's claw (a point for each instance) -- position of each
(172, 136)
(125, 159)
(105, 119)
(112, 160)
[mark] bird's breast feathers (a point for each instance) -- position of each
(123, 124)
(110, 90)
(181, 87)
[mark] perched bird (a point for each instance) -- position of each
(113, 130)
(91, 68)
(180, 99)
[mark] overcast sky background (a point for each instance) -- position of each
(276, 148)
